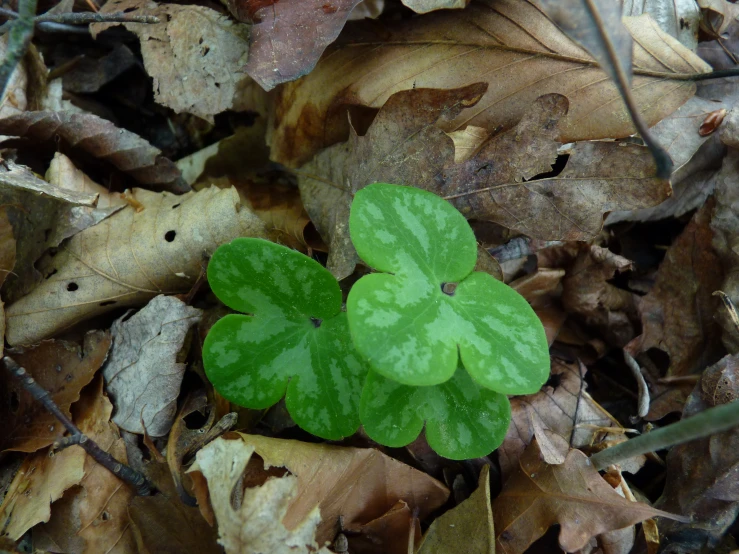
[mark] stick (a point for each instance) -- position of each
(122, 471)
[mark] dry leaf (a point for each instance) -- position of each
(572, 494)
(467, 142)
(360, 484)
(404, 146)
(252, 524)
(100, 138)
(90, 74)
(61, 368)
(425, 6)
(390, 533)
(143, 373)
(195, 55)
(466, 529)
(506, 43)
(130, 258)
(679, 18)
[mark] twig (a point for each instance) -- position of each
(122, 471)
(20, 35)
(711, 421)
(83, 18)
(643, 406)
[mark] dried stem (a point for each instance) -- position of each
(122, 471)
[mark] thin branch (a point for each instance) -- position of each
(83, 18)
(122, 471)
(643, 407)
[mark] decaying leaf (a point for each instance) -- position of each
(425, 6)
(195, 55)
(468, 528)
(509, 44)
(404, 145)
(572, 494)
(63, 369)
(679, 18)
(90, 74)
(93, 135)
(130, 258)
(360, 484)
(253, 524)
(143, 373)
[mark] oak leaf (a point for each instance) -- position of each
(508, 44)
(129, 258)
(572, 494)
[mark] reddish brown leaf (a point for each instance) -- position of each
(63, 369)
(102, 139)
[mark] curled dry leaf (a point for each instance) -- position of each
(508, 44)
(404, 145)
(195, 55)
(63, 369)
(144, 372)
(572, 494)
(130, 258)
(254, 522)
(100, 138)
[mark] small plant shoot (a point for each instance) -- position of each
(290, 339)
(463, 420)
(426, 307)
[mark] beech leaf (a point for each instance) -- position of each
(508, 44)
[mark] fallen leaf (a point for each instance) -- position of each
(101, 139)
(360, 484)
(61, 368)
(508, 44)
(572, 494)
(425, 6)
(466, 529)
(195, 55)
(677, 314)
(14, 99)
(90, 74)
(678, 18)
(390, 533)
(467, 142)
(404, 146)
(143, 373)
(130, 258)
(253, 522)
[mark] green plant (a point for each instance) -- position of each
(444, 344)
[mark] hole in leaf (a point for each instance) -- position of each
(175, 206)
(71, 287)
(108, 303)
(105, 516)
(14, 402)
(448, 288)
(660, 358)
(170, 235)
(557, 168)
(316, 322)
(195, 420)
(555, 379)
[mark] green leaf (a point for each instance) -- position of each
(295, 340)
(403, 322)
(463, 420)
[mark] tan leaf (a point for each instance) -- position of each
(425, 6)
(572, 494)
(143, 373)
(195, 55)
(360, 484)
(506, 43)
(391, 533)
(404, 146)
(466, 529)
(102, 139)
(130, 258)
(253, 524)
(61, 368)
(467, 142)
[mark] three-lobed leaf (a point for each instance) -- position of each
(404, 323)
(294, 342)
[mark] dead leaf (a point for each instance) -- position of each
(253, 522)
(679, 18)
(466, 529)
(390, 533)
(195, 55)
(61, 368)
(404, 146)
(130, 258)
(144, 372)
(508, 44)
(95, 136)
(572, 494)
(467, 142)
(425, 6)
(677, 314)
(90, 74)
(360, 484)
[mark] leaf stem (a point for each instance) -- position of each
(711, 421)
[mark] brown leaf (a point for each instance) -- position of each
(63, 369)
(195, 55)
(390, 533)
(102, 139)
(404, 146)
(129, 258)
(281, 29)
(572, 494)
(360, 484)
(425, 6)
(506, 43)
(90, 74)
(677, 314)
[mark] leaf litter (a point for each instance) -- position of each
(488, 104)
